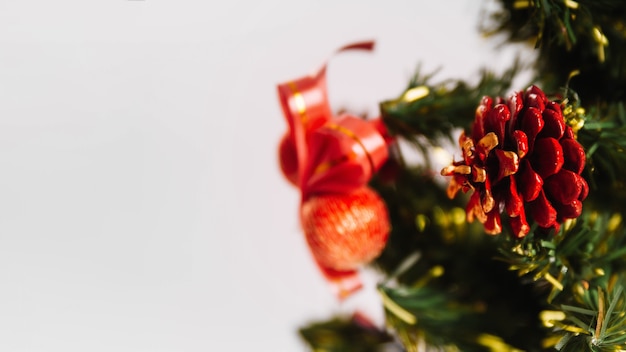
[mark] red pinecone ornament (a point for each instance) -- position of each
(521, 158)
(346, 230)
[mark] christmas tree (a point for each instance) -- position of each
(519, 243)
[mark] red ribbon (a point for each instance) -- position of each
(342, 156)
(333, 155)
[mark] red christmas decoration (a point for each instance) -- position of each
(521, 158)
(345, 231)
(331, 160)
(342, 157)
(304, 102)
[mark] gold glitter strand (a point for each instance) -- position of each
(352, 135)
(298, 99)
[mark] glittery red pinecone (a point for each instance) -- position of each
(520, 159)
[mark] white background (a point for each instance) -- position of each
(141, 203)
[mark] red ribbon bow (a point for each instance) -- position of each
(324, 155)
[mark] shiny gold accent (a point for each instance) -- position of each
(467, 146)
(415, 94)
(476, 212)
(434, 272)
(580, 290)
(614, 222)
(553, 281)
(298, 99)
(351, 134)
(458, 215)
(323, 167)
(440, 217)
(480, 175)
(488, 202)
(567, 110)
(525, 270)
(488, 142)
(576, 120)
(521, 4)
(453, 188)
(437, 271)
(602, 42)
(550, 342)
(599, 36)
(421, 221)
(514, 160)
(577, 123)
(571, 4)
(569, 224)
(463, 170)
(448, 170)
(599, 271)
(518, 250)
(398, 311)
(495, 344)
(548, 317)
(456, 169)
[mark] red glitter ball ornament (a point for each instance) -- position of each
(346, 230)
(521, 158)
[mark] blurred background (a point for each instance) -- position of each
(141, 203)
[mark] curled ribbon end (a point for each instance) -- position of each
(365, 45)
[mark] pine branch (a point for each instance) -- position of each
(588, 249)
(604, 139)
(435, 316)
(422, 315)
(572, 35)
(449, 291)
(595, 322)
(436, 110)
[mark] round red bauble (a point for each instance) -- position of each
(346, 230)
(288, 159)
